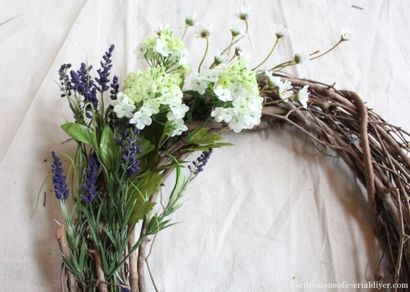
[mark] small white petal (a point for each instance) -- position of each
(303, 95)
(223, 94)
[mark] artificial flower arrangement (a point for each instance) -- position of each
(131, 135)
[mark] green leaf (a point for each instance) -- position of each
(203, 136)
(145, 185)
(108, 148)
(140, 210)
(79, 132)
(206, 147)
(162, 221)
(180, 182)
(146, 147)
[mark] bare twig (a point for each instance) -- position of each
(102, 285)
(65, 250)
(133, 260)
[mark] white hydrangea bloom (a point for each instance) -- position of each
(164, 49)
(223, 94)
(237, 95)
(123, 106)
(154, 91)
(141, 119)
(183, 59)
(222, 114)
(177, 112)
(303, 95)
(161, 47)
(178, 127)
(201, 82)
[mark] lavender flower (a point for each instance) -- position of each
(65, 84)
(201, 162)
(89, 186)
(59, 182)
(104, 71)
(83, 84)
(114, 88)
(131, 147)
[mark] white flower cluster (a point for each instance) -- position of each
(164, 49)
(235, 94)
(285, 90)
(150, 92)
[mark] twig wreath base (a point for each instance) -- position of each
(339, 121)
(376, 151)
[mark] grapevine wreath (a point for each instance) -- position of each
(130, 136)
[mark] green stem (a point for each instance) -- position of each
(185, 30)
(327, 51)
(269, 54)
(204, 56)
(233, 42)
(283, 65)
(230, 45)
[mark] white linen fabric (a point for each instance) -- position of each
(267, 214)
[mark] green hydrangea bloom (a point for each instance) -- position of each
(166, 50)
(153, 87)
(238, 73)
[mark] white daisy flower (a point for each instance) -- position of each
(301, 58)
(303, 95)
(285, 89)
(190, 20)
(236, 32)
(280, 31)
(204, 31)
(273, 80)
(346, 35)
(244, 12)
(218, 59)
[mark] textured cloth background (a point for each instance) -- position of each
(266, 214)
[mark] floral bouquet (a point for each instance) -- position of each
(131, 135)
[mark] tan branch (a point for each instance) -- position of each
(65, 250)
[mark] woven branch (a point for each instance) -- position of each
(376, 151)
